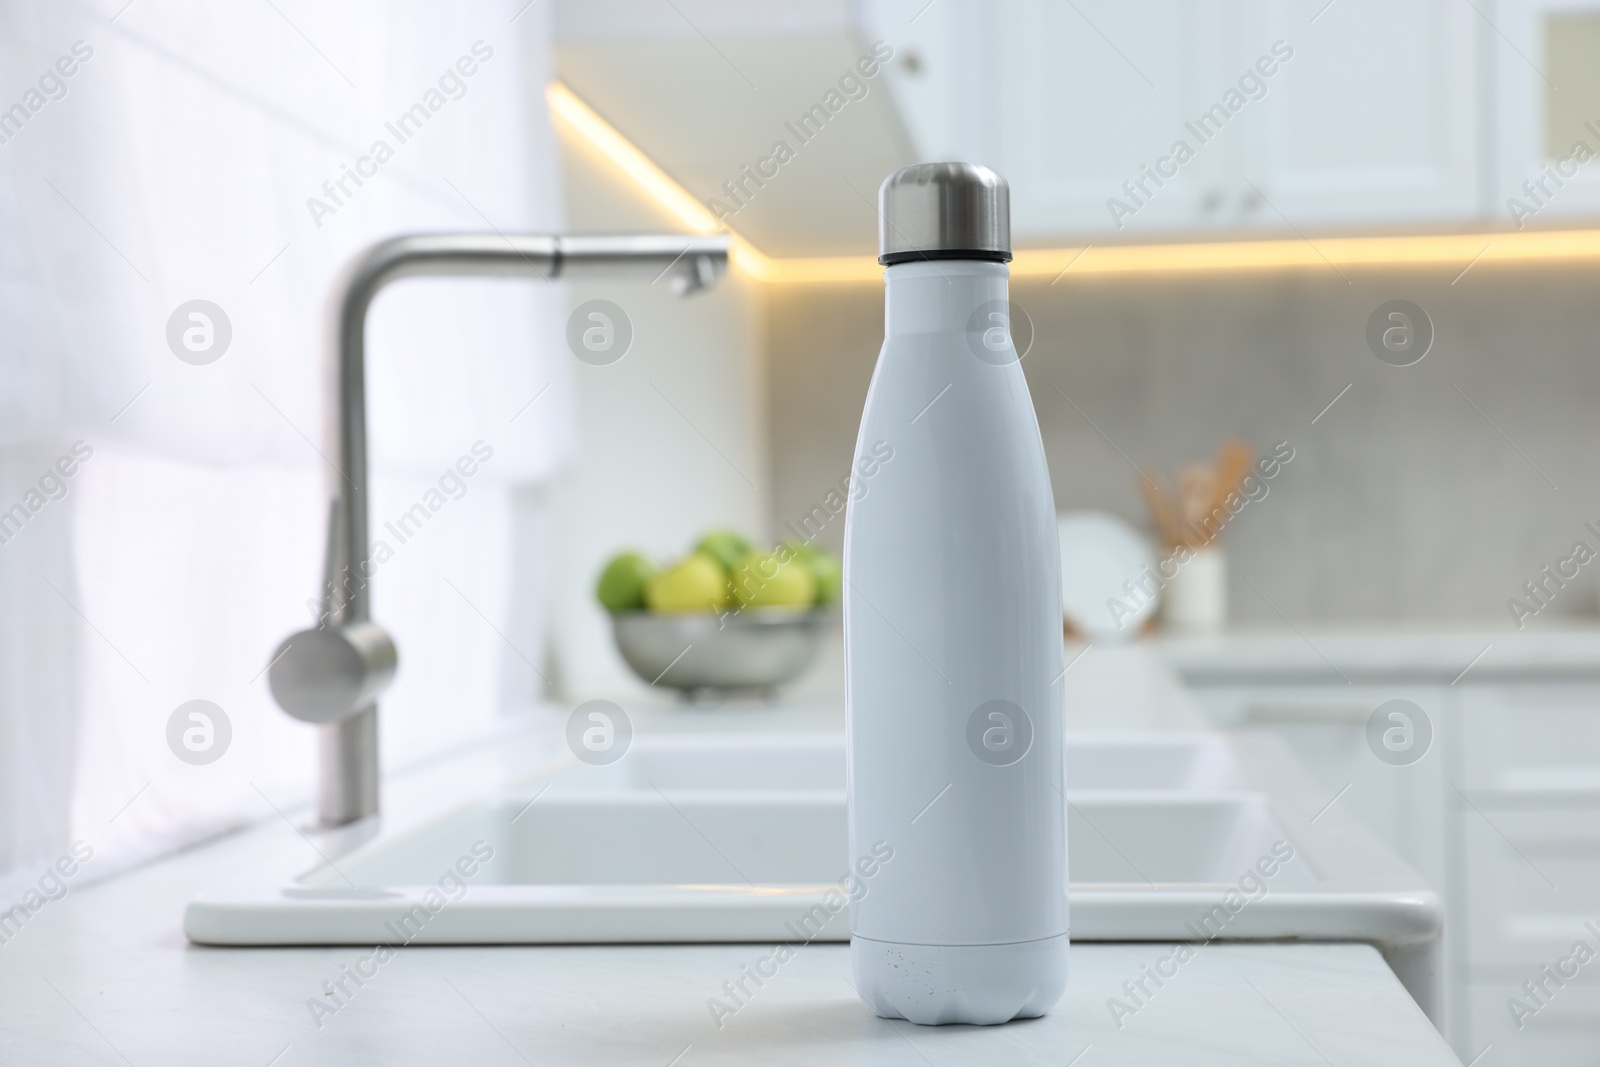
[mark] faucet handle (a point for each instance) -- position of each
(330, 673)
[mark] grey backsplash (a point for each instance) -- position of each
(1402, 502)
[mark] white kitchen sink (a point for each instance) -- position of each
(739, 837)
(790, 839)
(590, 865)
(1185, 761)
(727, 837)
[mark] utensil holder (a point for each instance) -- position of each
(1196, 597)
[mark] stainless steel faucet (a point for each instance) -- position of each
(333, 675)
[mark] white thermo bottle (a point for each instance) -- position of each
(953, 632)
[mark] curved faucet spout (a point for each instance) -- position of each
(335, 678)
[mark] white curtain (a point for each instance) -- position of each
(205, 152)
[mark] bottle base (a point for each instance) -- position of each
(980, 985)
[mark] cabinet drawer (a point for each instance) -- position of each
(1564, 1032)
(1532, 881)
(1533, 740)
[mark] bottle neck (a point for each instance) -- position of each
(941, 296)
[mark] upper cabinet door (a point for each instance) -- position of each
(1374, 120)
(1080, 105)
(1129, 121)
(1546, 64)
(1095, 105)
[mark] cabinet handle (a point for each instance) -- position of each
(1309, 714)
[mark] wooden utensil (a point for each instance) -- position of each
(1196, 511)
(1196, 490)
(1161, 508)
(1232, 465)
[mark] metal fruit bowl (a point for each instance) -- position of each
(702, 653)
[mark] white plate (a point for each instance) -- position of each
(1100, 554)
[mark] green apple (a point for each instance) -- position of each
(824, 566)
(773, 580)
(621, 584)
(697, 584)
(725, 546)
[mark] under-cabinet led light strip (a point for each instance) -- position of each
(1421, 249)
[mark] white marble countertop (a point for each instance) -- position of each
(1414, 653)
(148, 999)
(105, 976)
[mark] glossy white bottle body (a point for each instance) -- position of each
(952, 617)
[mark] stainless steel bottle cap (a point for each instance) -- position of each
(944, 211)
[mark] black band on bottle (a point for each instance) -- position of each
(993, 255)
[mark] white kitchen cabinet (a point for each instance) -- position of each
(1069, 102)
(1546, 73)
(1532, 741)
(941, 74)
(1369, 115)
(1092, 98)
(1502, 815)
(1325, 725)
(1374, 121)
(1532, 880)
(1565, 1030)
